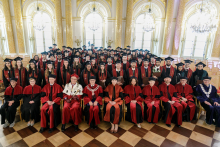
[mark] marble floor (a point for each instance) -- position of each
(195, 134)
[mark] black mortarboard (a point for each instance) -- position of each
(92, 44)
(7, 60)
(188, 61)
(50, 47)
(159, 59)
(84, 46)
(207, 78)
(183, 78)
(133, 51)
(51, 55)
(52, 76)
(169, 58)
(118, 62)
(109, 46)
(64, 46)
(18, 58)
(66, 59)
(168, 77)
(200, 63)
(114, 78)
(179, 64)
(152, 79)
(124, 54)
(133, 61)
(49, 62)
(88, 63)
(93, 77)
(146, 59)
(76, 56)
(32, 61)
(102, 63)
(32, 77)
(128, 46)
(44, 53)
(65, 51)
(133, 77)
(59, 53)
(13, 79)
(101, 54)
(92, 58)
(147, 51)
(140, 56)
(55, 44)
(109, 57)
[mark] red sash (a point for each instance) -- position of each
(7, 75)
(104, 77)
(106, 66)
(95, 69)
(86, 81)
(189, 74)
(35, 75)
(127, 65)
(67, 76)
(78, 69)
(143, 74)
(171, 70)
(131, 72)
(23, 77)
(115, 73)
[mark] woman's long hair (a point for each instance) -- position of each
(30, 69)
(68, 68)
(47, 71)
(6, 68)
(135, 80)
(74, 64)
(16, 66)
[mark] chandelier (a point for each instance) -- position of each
(39, 23)
(148, 25)
(204, 21)
(94, 25)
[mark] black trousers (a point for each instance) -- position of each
(8, 112)
(31, 111)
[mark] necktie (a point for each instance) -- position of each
(113, 97)
(151, 93)
(183, 94)
(168, 94)
(51, 90)
(32, 93)
(133, 72)
(134, 93)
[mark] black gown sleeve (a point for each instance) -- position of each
(108, 79)
(5, 81)
(82, 79)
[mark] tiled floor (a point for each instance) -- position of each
(195, 134)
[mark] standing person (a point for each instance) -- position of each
(144, 73)
(179, 72)
(133, 100)
(20, 72)
(157, 71)
(59, 63)
(7, 72)
(152, 102)
(133, 70)
(50, 70)
(210, 101)
(114, 100)
(109, 66)
(188, 71)
(31, 102)
(198, 75)
(76, 66)
(168, 96)
(65, 73)
(50, 98)
(72, 99)
(103, 76)
(120, 74)
(13, 95)
(86, 74)
(169, 70)
(92, 96)
(185, 98)
(125, 64)
(42, 65)
(34, 72)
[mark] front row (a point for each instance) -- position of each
(175, 102)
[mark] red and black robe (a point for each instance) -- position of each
(42, 66)
(92, 112)
(168, 93)
(21, 74)
(169, 72)
(51, 93)
(135, 111)
(159, 80)
(189, 107)
(125, 66)
(104, 76)
(11, 94)
(31, 111)
(113, 112)
(76, 70)
(65, 76)
(152, 111)
(120, 73)
(188, 74)
(144, 73)
(47, 76)
(109, 68)
(35, 73)
(85, 76)
(95, 68)
(7, 74)
(130, 73)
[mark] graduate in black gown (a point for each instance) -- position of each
(20, 72)
(13, 95)
(198, 75)
(169, 70)
(179, 72)
(31, 102)
(86, 74)
(34, 72)
(7, 72)
(104, 76)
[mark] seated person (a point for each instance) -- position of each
(114, 100)
(168, 96)
(72, 98)
(133, 100)
(51, 95)
(185, 98)
(207, 95)
(92, 96)
(13, 95)
(152, 102)
(31, 102)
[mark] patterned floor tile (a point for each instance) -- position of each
(204, 131)
(67, 126)
(70, 132)
(94, 143)
(147, 125)
(20, 125)
(169, 143)
(20, 143)
(10, 139)
(69, 143)
(27, 131)
(47, 134)
(154, 138)
(106, 138)
(145, 143)
(193, 143)
(217, 129)
(58, 139)
(126, 125)
(201, 138)
(175, 137)
(44, 143)
(215, 143)
(188, 125)
(6, 131)
(82, 138)
(118, 134)
(104, 125)
(203, 124)
(160, 131)
(183, 131)
(138, 131)
(120, 143)
(94, 132)
(163, 125)
(216, 136)
(83, 126)
(34, 139)
(37, 126)
(130, 138)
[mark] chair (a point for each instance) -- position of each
(18, 109)
(124, 109)
(199, 106)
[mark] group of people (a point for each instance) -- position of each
(133, 77)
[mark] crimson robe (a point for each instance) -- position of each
(54, 110)
(11, 94)
(41, 66)
(85, 78)
(118, 99)
(92, 110)
(134, 93)
(127, 66)
(130, 72)
(170, 109)
(187, 93)
(143, 74)
(7, 74)
(31, 111)
(152, 94)
(21, 74)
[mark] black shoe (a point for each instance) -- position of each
(63, 127)
(95, 127)
(50, 130)
(168, 125)
(178, 126)
(76, 128)
(42, 130)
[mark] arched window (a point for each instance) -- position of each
(195, 44)
(142, 38)
(44, 38)
(93, 37)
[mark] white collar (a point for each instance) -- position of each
(168, 66)
(109, 63)
(117, 69)
(133, 68)
(187, 68)
(146, 67)
(167, 84)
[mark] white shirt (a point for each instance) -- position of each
(117, 69)
(146, 67)
(168, 66)
(133, 68)
(109, 63)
